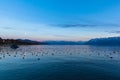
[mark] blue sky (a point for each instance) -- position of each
(71, 20)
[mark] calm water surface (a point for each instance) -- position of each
(70, 62)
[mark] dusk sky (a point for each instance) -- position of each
(71, 20)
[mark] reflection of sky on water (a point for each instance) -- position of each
(60, 63)
(67, 51)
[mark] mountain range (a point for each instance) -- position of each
(96, 41)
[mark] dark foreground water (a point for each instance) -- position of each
(60, 63)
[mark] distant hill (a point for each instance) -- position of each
(18, 42)
(97, 41)
(64, 42)
(29, 41)
(104, 41)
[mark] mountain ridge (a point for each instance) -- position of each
(95, 41)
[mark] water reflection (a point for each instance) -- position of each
(65, 62)
(25, 52)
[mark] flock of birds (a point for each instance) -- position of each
(39, 51)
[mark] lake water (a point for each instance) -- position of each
(60, 62)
